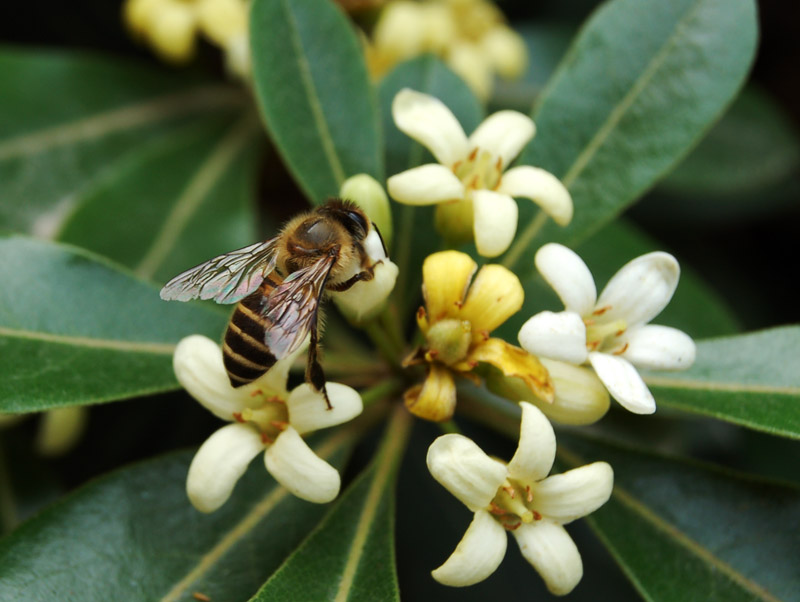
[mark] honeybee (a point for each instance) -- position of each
(278, 285)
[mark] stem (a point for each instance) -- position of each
(384, 390)
(524, 240)
(383, 342)
(449, 426)
(8, 512)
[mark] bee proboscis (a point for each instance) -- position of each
(278, 285)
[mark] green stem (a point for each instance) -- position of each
(380, 392)
(524, 240)
(8, 512)
(449, 427)
(383, 342)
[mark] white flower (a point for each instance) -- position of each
(611, 333)
(265, 417)
(471, 174)
(518, 497)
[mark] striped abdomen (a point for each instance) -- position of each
(244, 353)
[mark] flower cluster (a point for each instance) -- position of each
(470, 35)
(171, 28)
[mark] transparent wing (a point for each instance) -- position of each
(227, 278)
(292, 307)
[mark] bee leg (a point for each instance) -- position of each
(364, 275)
(314, 373)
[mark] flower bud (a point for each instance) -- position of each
(60, 430)
(367, 193)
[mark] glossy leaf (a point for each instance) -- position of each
(751, 379)
(695, 308)
(688, 531)
(75, 329)
(132, 535)
(67, 118)
(638, 88)
(350, 556)
(314, 93)
(175, 202)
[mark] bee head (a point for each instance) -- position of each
(348, 215)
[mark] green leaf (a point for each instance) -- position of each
(175, 202)
(75, 329)
(687, 531)
(752, 380)
(637, 90)
(695, 308)
(416, 236)
(314, 93)
(752, 147)
(350, 556)
(67, 117)
(132, 535)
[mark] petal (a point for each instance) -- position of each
(542, 187)
(506, 50)
(551, 551)
(309, 412)
(640, 289)
(568, 275)
(477, 555)
(435, 399)
(504, 134)
(537, 447)
(366, 298)
(220, 20)
(462, 467)
(60, 430)
(295, 466)
(173, 32)
(659, 348)
(623, 382)
(470, 63)
(574, 494)
(580, 398)
(445, 278)
(560, 336)
(428, 121)
(495, 295)
(219, 463)
(425, 185)
(495, 221)
(517, 363)
(399, 31)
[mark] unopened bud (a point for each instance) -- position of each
(367, 193)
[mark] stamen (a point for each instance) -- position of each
(510, 491)
(276, 399)
(266, 440)
(512, 527)
(601, 310)
(536, 515)
(621, 350)
(237, 416)
(281, 425)
(256, 393)
(496, 510)
(473, 154)
(529, 494)
(456, 165)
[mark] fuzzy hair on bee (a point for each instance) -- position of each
(278, 286)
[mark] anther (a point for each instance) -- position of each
(279, 424)
(528, 493)
(237, 416)
(496, 510)
(256, 393)
(536, 515)
(621, 350)
(512, 527)
(266, 440)
(510, 491)
(473, 154)
(601, 310)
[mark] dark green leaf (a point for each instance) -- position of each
(688, 531)
(75, 329)
(350, 556)
(636, 91)
(133, 536)
(175, 202)
(751, 379)
(314, 93)
(67, 117)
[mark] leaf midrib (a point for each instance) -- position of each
(90, 342)
(709, 385)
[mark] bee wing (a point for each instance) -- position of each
(227, 278)
(292, 307)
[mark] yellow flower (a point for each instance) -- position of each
(459, 314)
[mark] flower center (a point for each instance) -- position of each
(601, 336)
(478, 172)
(271, 417)
(448, 340)
(512, 505)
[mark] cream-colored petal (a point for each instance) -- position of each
(139, 14)
(504, 134)
(477, 555)
(465, 470)
(658, 348)
(551, 551)
(445, 278)
(623, 382)
(580, 397)
(309, 412)
(61, 429)
(506, 51)
(199, 369)
(295, 466)
(496, 294)
(640, 289)
(427, 120)
(542, 187)
(471, 64)
(399, 30)
(537, 447)
(568, 275)
(221, 20)
(560, 336)
(435, 399)
(575, 493)
(237, 55)
(425, 185)
(173, 31)
(495, 221)
(365, 299)
(219, 463)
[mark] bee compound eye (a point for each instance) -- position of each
(358, 220)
